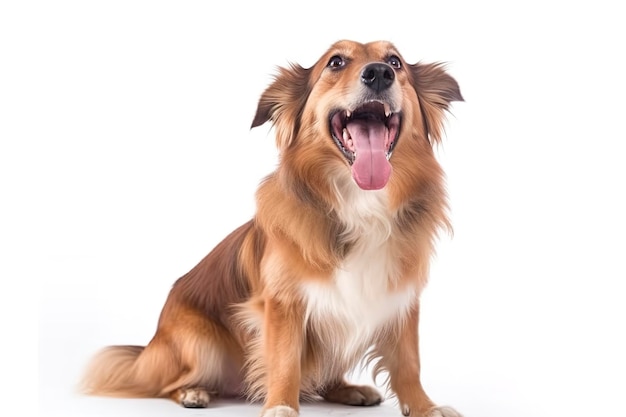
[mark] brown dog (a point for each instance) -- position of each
(330, 269)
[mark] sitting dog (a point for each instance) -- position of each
(329, 271)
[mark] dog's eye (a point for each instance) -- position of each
(336, 62)
(394, 61)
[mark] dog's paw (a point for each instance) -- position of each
(354, 395)
(193, 397)
(280, 411)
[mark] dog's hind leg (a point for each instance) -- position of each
(190, 358)
(209, 361)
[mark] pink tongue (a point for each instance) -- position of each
(370, 170)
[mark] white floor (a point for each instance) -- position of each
(104, 407)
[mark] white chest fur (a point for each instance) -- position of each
(350, 310)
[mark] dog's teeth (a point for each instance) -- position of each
(387, 110)
(348, 113)
(346, 135)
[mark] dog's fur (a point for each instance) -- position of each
(330, 269)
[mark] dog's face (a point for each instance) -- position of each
(362, 101)
(360, 93)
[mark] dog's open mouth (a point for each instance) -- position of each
(366, 136)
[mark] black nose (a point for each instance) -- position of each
(378, 76)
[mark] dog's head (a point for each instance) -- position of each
(362, 101)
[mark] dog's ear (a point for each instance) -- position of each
(435, 90)
(283, 102)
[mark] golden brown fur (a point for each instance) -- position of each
(327, 271)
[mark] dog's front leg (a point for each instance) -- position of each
(283, 349)
(400, 356)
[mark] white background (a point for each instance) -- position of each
(126, 155)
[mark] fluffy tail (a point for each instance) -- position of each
(115, 371)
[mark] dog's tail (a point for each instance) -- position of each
(124, 371)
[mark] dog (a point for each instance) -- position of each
(328, 273)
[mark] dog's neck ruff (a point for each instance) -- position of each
(365, 215)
